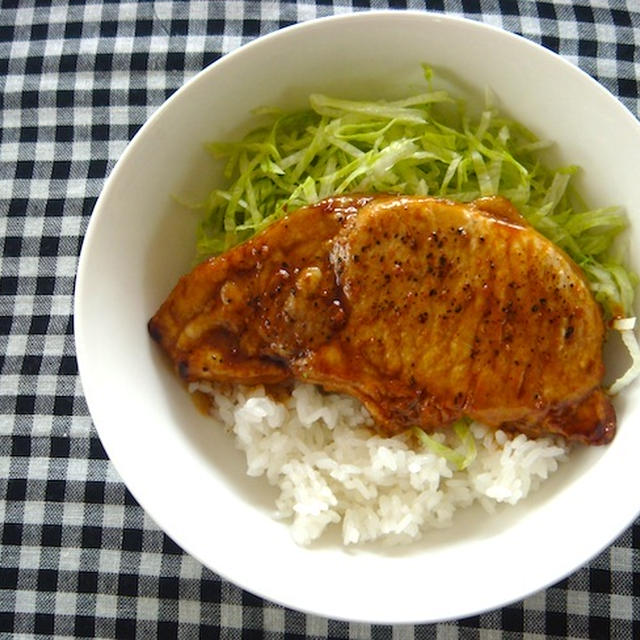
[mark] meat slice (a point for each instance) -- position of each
(425, 309)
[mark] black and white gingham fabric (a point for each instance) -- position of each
(78, 556)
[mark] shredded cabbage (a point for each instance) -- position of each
(631, 343)
(426, 144)
(462, 456)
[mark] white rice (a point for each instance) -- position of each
(331, 469)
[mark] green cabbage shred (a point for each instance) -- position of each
(425, 144)
(461, 456)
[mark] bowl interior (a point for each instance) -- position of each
(186, 473)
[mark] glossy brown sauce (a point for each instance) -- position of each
(424, 309)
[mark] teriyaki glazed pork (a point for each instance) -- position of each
(424, 309)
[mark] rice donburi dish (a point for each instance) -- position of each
(399, 311)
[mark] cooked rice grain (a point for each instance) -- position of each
(330, 468)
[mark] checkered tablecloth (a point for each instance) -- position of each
(78, 555)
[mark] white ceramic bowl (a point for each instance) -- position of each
(186, 473)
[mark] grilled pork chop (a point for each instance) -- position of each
(424, 309)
